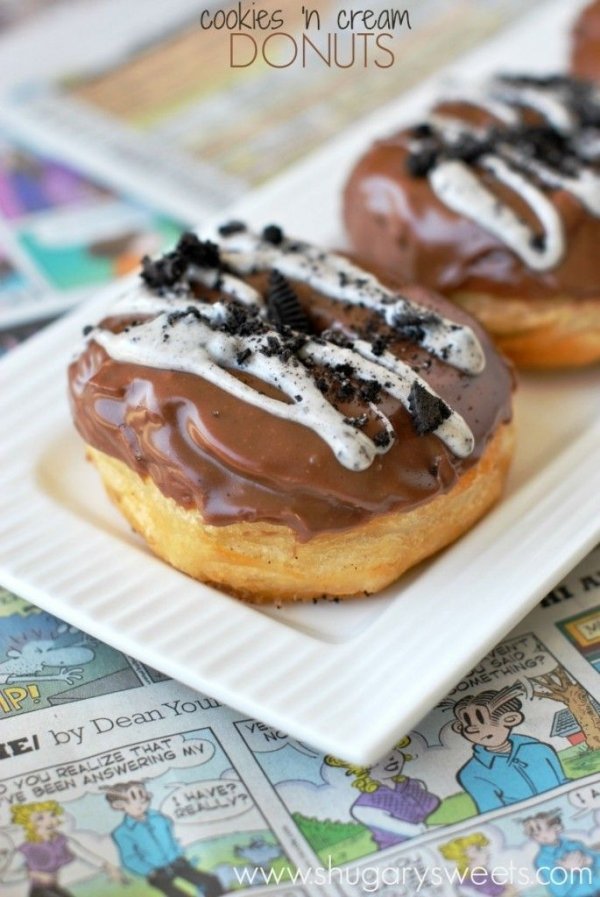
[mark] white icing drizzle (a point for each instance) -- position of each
(463, 191)
(397, 382)
(231, 286)
(177, 331)
(195, 347)
(338, 279)
(504, 98)
(457, 184)
(548, 103)
(585, 187)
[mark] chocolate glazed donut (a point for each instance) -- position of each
(265, 413)
(494, 200)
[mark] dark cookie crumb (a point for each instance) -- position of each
(166, 272)
(370, 391)
(232, 227)
(538, 241)
(283, 306)
(202, 253)
(421, 162)
(273, 234)
(427, 411)
(382, 439)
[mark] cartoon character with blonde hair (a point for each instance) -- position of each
(46, 850)
(393, 806)
(471, 858)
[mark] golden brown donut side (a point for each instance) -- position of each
(548, 334)
(265, 563)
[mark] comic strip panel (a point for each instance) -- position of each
(474, 753)
(168, 813)
(548, 848)
(46, 663)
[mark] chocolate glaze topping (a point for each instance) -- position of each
(259, 378)
(497, 192)
(585, 54)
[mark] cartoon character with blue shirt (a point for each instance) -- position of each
(566, 867)
(147, 846)
(504, 768)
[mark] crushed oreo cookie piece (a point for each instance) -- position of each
(175, 316)
(357, 422)
(283, 307)
(232, 227)
(273, 234)
(468, 149)
(420, 162)
(241, 320)
(411, 327)
(201, 253)
(166, 272)
(428, 411)
(379, 345)
(345, 391)
(163, 273)
(422, 131)
(382, 439)
(538, 241)
(370, 391)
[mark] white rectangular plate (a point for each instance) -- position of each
(351, 677)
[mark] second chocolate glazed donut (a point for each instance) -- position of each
(494, 200)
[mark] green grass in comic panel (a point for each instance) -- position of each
(147, 817)
(46, 663)
(343, 811)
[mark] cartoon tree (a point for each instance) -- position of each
(558, 685)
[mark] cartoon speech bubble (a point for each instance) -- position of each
(261, 738)
(136, 762)
(513, 660)
(585, 799)
(207, 801)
